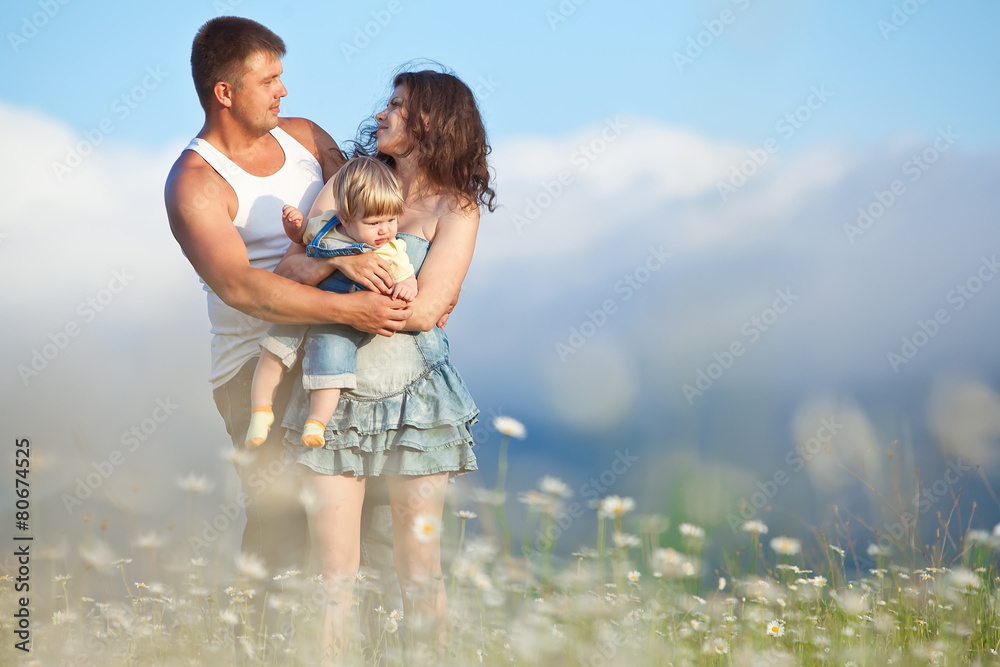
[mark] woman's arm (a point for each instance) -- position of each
(444, 269)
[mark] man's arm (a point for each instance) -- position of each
(198, 209)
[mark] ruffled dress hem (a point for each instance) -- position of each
(424, 429)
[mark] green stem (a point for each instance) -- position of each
(548, 545)
(526, 540)
(600, 540)
(502, 464)
(125, 583)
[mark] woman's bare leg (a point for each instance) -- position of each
(337, 530)
(418, 556)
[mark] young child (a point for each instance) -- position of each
(368, 202)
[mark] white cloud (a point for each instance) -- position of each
(652, 186)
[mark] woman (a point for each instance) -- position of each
(410, 418)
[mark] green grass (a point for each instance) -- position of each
(625, 600)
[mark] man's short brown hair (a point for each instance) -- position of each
(221, 49)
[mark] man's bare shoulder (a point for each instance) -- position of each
(189, 170)
(194, 187)
(316, 141)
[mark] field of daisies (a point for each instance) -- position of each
(623, 599)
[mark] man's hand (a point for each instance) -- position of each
(366, 269)
(376, 313)
(292, 220)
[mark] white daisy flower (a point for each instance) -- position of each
(615, 506)
(229, 617)
(776, 628)
(193, 483)
(963, 579)
(239, 457)
(691, 531)
(754, 527)
(786, 546)
(876, 551)
(554, 487)
(150, 540)
(978, 537)
(510, 427)
(427, 528)
(250, 566)
(625, 541)
(310, 500)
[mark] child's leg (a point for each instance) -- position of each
(322, 405)
(266, 378)
(331, 356)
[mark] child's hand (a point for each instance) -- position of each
(292, 220)
(404, 291)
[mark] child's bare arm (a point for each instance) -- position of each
(405, 290)
(293, 222)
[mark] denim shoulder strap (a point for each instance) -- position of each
(330, 224)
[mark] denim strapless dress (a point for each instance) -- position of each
(411, 413)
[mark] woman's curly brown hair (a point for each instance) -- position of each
(453, 146)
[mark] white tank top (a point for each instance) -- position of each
(258, 220)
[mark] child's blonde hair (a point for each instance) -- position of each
(365, 187)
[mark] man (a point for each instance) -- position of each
(223, 197)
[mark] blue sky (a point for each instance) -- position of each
(551, 76)
(833, 104)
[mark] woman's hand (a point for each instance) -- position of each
(366, 269)
(444, 318)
